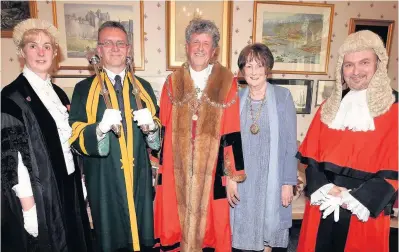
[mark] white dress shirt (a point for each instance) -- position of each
(201, 78)
(112, 75)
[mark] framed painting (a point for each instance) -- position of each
(178, 16)
(78, 23)
(301, 91)
(383, 28)
(324, 90)
(297, 33)
(13, 12)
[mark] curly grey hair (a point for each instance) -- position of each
(198, 26)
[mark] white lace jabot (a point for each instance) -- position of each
(44, 89)
(353, 113)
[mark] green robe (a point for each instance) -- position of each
(105, 175)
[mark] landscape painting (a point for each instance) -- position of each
(293, 38)
(78, 23)
(298, 35)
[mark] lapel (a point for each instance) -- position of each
(243, 93)
(44, 118)
(46, 124)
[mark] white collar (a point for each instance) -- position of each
(353, 113)
(34, 79)
(200, 78)
(112, 75)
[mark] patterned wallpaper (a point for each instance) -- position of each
(155, 43)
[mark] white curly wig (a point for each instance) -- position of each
(379, 90)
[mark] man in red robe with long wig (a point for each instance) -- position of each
(351, 150)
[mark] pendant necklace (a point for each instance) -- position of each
(195, 104)
(200, 79)
(254, 128)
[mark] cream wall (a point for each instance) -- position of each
(155, 43)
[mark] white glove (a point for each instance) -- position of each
(110, 117)
(331, 204)
(30, 221)
(144, 117)
(353, 205)
(319, 196)
(23, 189)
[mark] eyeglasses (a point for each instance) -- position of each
(110, 44)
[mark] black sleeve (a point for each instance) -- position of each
(375, 194)
(315, 177)
(13, 140)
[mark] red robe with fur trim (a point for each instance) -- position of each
(191, 208)
(367, 163)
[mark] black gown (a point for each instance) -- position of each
(27, 127)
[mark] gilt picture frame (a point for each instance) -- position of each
(78, 24)
(13, 12)
(178, 16)
(383, 28)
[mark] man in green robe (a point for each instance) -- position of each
(117, 168)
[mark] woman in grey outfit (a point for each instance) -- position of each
(261, 205)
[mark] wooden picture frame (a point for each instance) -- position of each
(301, 91)
(178, 16)
(78, 23)
(68, 82)
(383, 28)
(323, 90)
(297, 33)
(13, 12)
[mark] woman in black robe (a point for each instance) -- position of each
(42, 204)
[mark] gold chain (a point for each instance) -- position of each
(257, 115)
(194, 95)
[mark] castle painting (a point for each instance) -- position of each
(83, 20)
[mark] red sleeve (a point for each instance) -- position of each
(393, 150)
(310, 145)
(231, 136)
(308, 154)
(165, 103)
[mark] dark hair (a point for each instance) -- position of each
(198, 26)
(257, 51)
(111, 24)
